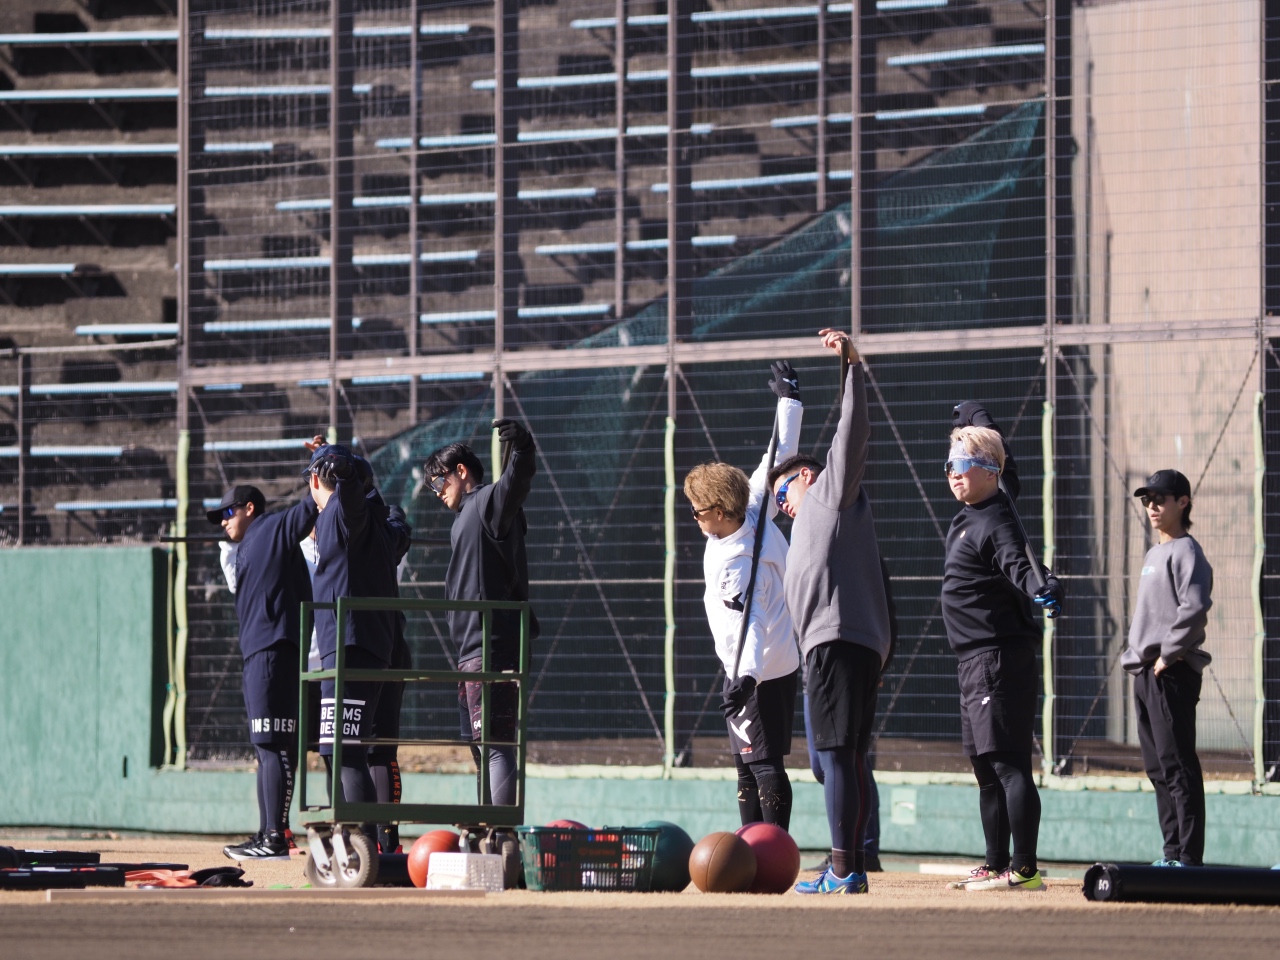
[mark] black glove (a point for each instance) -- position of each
(334, 467)
(737, 694)
(784, 383)
(1049, 597)
(970, 413)
(509, 431)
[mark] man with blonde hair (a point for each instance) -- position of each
(760, 680)
(988, 584)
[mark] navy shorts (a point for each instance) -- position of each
(504, 705)
(271, 695)
(360, 701)
(998, 690)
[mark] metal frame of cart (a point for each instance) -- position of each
(345, 857)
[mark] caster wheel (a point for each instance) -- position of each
(349, 859)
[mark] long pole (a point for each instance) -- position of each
(415, 187)
(821, 143)
(620, 161)
(342, 118)
(855, 168)
(506, 266)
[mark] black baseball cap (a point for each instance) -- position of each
(238, 495)
(1165, 481)
(326, 450)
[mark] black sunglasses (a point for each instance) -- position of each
(1157, 498)
(230, 511)
(697, 513)
(780, 498)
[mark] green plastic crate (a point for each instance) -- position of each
(566, 858)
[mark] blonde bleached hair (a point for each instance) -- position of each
(981, 442)
(720, 485)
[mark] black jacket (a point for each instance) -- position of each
(355, 559)
(272, 578)
(488, 561)
(987, 580)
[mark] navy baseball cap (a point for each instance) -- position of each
(333, 450)
(237, 496)
(1165, 481)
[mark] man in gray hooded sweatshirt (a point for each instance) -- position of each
(1166, 657)
(835, 591)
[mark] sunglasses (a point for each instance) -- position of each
(780, 498)
(437, 483)
(962, 465)
(229, 512)
(697, 513)
(1153, 498)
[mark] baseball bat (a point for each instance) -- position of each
(1026, 541)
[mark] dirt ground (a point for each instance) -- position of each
(905, 915)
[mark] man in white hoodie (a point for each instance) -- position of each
(760, 694)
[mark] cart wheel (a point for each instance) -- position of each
(352, 859)
(361, 855)
(319, 874)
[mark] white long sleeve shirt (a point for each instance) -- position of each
(770, 651)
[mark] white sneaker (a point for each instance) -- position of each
(1011, 880)
(976, 875)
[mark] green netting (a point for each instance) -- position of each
(959, 238)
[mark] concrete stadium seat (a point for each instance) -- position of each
(1006, 51)
(524, 313)
(112, 388)
(789, 68)
(88, 210)
(756, 183)
(570, 249)
(88, 38)
(444, 199)
(322, 33)
(126, 329)
(88, 95)
(322, 263)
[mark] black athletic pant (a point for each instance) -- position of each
(275, 786)
(871, 841)
(764, 792)
(1010, 806)
(1166, 708)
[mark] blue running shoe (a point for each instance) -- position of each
(828, 882)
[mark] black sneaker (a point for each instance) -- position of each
(270, 846)
(231, 849)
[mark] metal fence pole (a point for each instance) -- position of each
(343, 115)
(1259, 562)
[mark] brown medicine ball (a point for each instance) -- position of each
(722, 863)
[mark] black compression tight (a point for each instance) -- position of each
(848, 796)
(385, 770)
(1010, 806)
(764, 792)
(502, 775)
(275, 787)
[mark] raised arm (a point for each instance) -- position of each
(972, 413)
(512, 488)
(790, 413)
(840, 482)
(298, 521)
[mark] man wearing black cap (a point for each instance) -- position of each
(354, 555)
(1166, 657)
(269, 579)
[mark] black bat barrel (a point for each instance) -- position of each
(1132, 883)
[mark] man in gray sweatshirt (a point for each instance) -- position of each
(1166, 657)
(835, 592)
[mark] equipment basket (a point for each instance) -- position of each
(567, 858)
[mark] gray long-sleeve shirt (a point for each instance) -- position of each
(834, 584)
(1173, 607)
